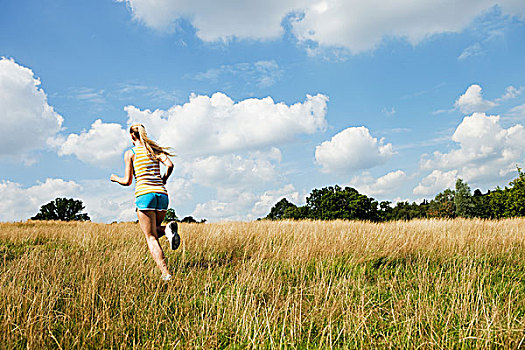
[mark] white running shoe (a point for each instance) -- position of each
(166, 277)
(172, 234)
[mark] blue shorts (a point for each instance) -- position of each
(152, 201)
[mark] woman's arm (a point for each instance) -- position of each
(169, 167)
(128, 171)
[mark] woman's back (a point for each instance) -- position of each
(147, 173)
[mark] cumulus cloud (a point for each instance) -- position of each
(241, 184)
(214, 125)
(28, 121)
(236, 179)
(102, 145)
(232, 208)
(385, 184)
(487, 151)
(436, 182)
(104, 201)
(107, 201)
(267, 200)
(514, 7)
(472, 101)
(20, 203)
(180, 190)
(234, 204)
(362, 25)
(233, 171)
(214, 20)
(352, 149)
(357, 25)
(510, 93)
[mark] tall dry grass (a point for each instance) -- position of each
(429, 284)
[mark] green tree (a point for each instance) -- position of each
(64, 209)
(409, 211)
(385, 211)
(481, 205)
(515, 196)
(463, 202)
(442, 206)
(170, 215)
(296, 213)
(497, 202)
(189, 219)
(509, 202)
(331, 203)
(278, 210)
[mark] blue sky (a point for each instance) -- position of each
(260, 100)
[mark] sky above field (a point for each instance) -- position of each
(260, 100)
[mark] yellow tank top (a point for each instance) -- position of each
(147, 173)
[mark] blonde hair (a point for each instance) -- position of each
(153, 149)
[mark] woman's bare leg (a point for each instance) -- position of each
(148, 224)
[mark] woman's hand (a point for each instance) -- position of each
(169, 167)
(128, 172)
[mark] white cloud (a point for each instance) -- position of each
(515, 7)
(101, 146)
(361, 25)
(386, 184)
(20, 203)
(510, 93)
(28, 121)
(107, 201)
(214, 125)
(231, 171)
(357, 25)
(229, 209)
(436, 182)
(236, 179)
(267, 200)
(180, 190)
(217, 21)
(104, 201)
(352, 149)
(234, 204)
(486, 152)
(472, 101)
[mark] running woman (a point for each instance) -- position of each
(151, 197)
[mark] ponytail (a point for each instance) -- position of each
(152, 148)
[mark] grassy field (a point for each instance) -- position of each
(426, 284)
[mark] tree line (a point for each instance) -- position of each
(335, 202)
